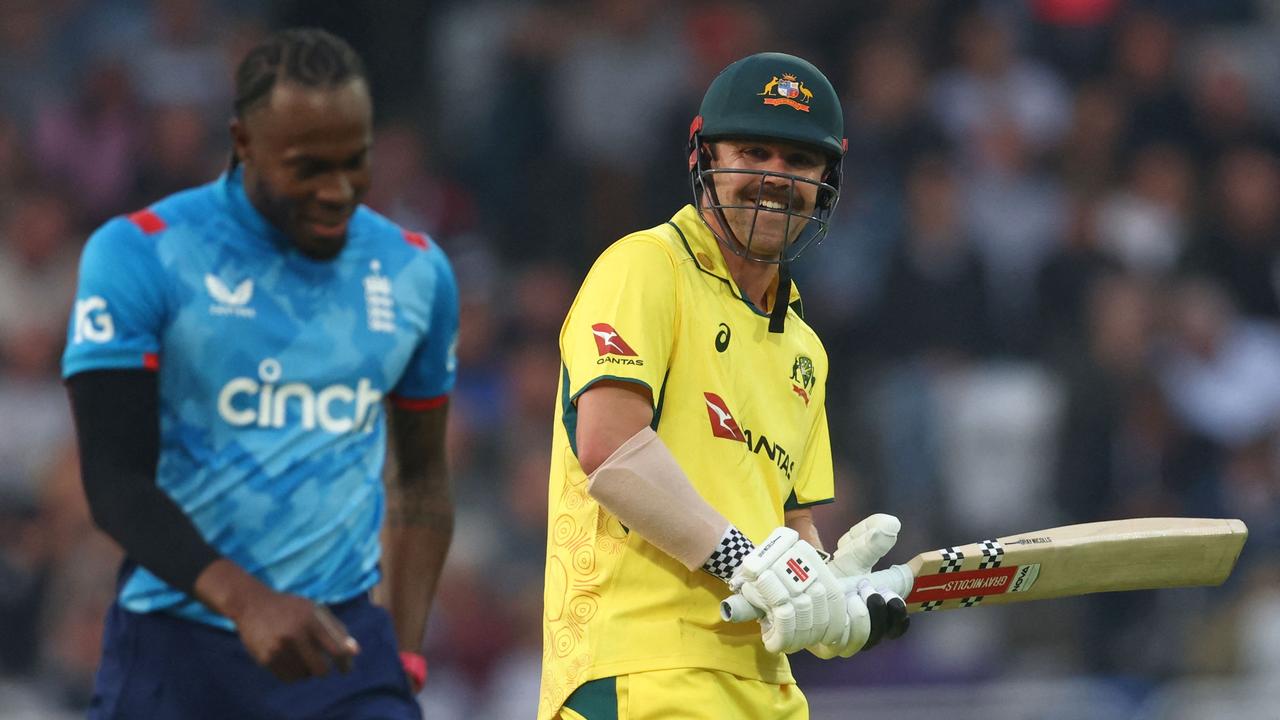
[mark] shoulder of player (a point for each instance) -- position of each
(648, 249)
(142, 228)
(135, 232)
(810, 343)
(378, 232)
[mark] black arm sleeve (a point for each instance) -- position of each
(117, 420)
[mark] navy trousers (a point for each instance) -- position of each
(160, 667)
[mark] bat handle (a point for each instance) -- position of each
(898, 578)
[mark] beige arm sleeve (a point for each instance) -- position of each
(642, 484)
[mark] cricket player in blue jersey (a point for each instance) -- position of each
(237, 356)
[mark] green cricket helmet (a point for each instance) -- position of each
(778, 97)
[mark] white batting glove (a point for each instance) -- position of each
(874, 613)
(786, 578)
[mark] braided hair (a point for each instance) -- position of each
(309, 57)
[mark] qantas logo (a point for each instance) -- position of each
(724, 426)
(613, 349)
(227, 301)
(609, 342)
(722, 423)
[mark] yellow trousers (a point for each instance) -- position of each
(684, 694)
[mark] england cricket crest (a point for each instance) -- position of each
(785, 90)
(802, 378)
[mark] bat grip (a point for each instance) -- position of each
(898, 578)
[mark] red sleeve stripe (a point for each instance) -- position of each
(416, 239)
(147, 221)
(419, 403)
(151, 361)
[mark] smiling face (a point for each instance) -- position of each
(761, 209)
(305, 154)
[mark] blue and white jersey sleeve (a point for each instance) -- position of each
(120, 306)
(430, 374)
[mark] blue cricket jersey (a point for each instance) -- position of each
(272, 372)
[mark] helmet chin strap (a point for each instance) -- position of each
(778, 316)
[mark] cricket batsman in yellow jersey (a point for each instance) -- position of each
(691, 436)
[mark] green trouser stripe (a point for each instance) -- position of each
(595, 699)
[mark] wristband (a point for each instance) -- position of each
(415, 666)
(734, 547)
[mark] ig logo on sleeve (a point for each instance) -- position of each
(93, 322)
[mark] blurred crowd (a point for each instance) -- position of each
(1051, 293)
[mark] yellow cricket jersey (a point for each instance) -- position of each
(741, 409)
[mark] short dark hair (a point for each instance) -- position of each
(310, 57)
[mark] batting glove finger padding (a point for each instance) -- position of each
(877, 609)
(787, 579)
(859, 549)
(872, 614)
(898, 619)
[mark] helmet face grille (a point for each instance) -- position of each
(804, 227)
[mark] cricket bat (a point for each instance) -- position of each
(1135, 554)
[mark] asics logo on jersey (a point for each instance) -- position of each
(611, 346)
(265, 403)
(724, 426)
(227, 301)
(722, 423)
(93, 322)
(722, 338)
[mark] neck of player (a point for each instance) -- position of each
(756, 280)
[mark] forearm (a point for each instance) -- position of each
(416, 538)
(802, 522)
(227, 589)
(117, 425)
(642, 484)
(150, 528)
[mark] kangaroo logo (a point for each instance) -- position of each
(609, 342)
(785, 91)
(802, 377)
(722, 423)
